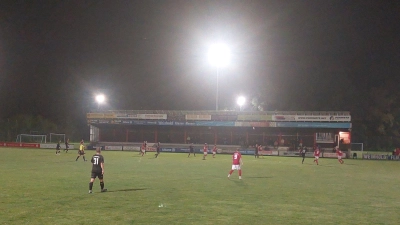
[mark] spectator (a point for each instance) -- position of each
(282, 142)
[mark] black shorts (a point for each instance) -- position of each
(303, 155)
(97, 174)
(81, 152)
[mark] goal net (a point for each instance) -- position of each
(54, 138)
(31, 138)
(357, 146)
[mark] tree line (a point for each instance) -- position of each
(29, 124)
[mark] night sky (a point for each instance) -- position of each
(297, 55)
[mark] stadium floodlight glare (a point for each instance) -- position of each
(100, 99)
(219, 56)
(240, 101)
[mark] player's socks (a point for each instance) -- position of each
(84, 158)
(90, 187)
(102, 185)
(77, 158)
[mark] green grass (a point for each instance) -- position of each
(38, 187)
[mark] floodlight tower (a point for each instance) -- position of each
(219, 56)
(100, 99)
(240, 101)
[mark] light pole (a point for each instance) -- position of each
(240, 101)
(219, 56)
(100, 99)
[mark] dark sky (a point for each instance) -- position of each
(55, 55)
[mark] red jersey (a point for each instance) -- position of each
(338, 152)
(215, 149)
(236, 158)
(205, 149)
(316, 152)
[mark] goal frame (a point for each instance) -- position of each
(19, 137)
(55, 134)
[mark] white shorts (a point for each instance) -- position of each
(205, 153)
(214, 153)
(235, 167)
(339, 157)
(316, 157)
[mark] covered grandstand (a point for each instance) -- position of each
(275, 129)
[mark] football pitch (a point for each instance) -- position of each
(38, 187)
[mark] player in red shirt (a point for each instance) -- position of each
(260, 150)
(339, 154)
(205, 150)
(316, 154)
(236, 164)
(214, 150)
(143, 148)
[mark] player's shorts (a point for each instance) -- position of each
(303, 155)
(81, 152)
(214, 153)
(235, 167)
(96, 174)
(339, 157)
(205, 153)
(143, 150)
(316, 157)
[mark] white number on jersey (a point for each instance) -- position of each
(96, 160)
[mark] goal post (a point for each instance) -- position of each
(56, 137)
(31, 138)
